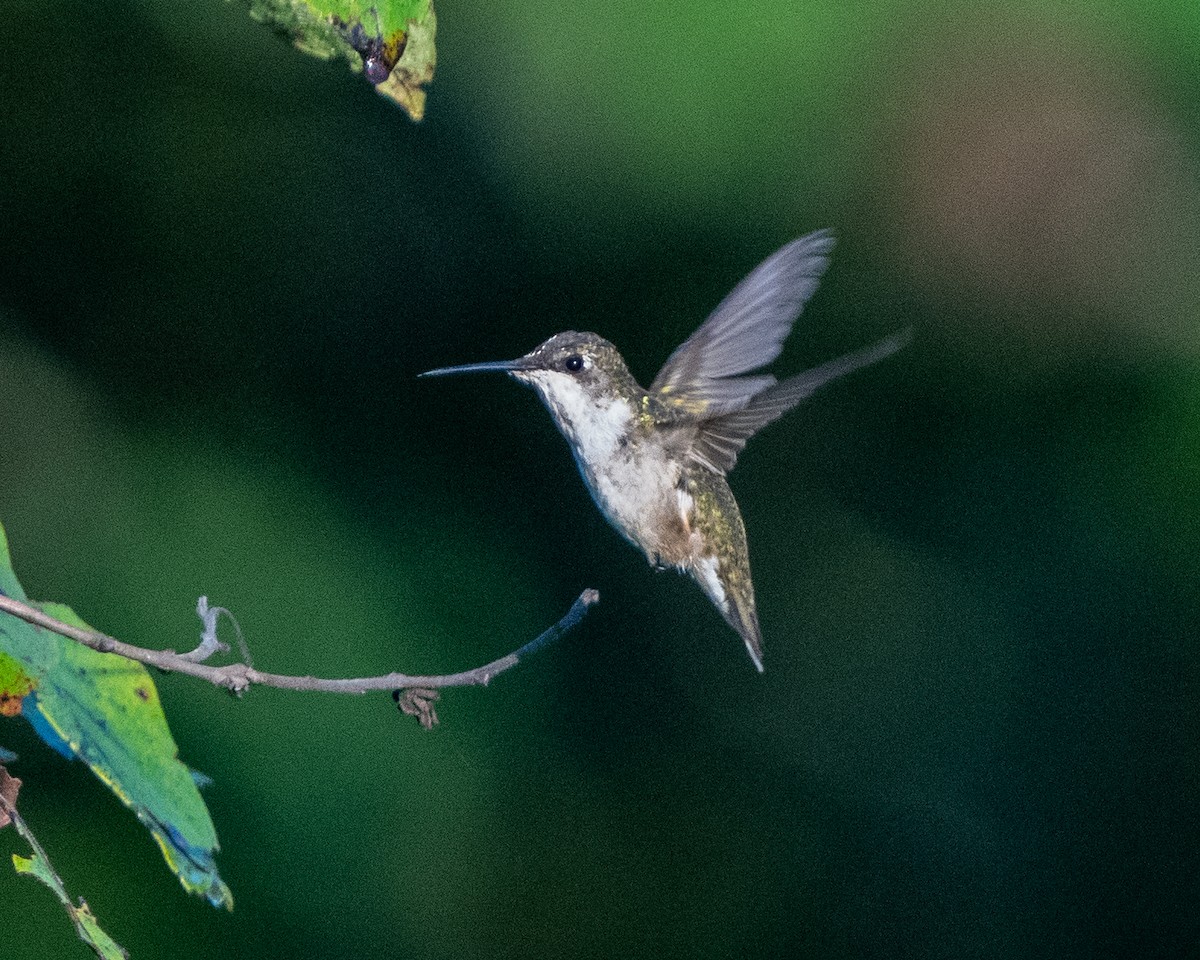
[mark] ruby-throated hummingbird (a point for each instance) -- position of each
(655, 460)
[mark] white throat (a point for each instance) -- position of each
(596, 428)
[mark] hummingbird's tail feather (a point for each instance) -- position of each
(720, 562)
(728, 586)
(745, 622)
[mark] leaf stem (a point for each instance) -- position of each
(86, 927)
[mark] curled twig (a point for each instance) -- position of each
(209, 644)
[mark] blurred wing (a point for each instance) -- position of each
(722, 438)
(745, 332)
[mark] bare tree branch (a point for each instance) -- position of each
(239, 677)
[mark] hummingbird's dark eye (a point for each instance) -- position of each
(574, 363)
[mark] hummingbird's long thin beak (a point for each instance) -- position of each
(503, 366)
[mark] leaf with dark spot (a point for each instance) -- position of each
(390, 41)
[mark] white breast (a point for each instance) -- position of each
(627, 480)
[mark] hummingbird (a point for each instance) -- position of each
(655, 460)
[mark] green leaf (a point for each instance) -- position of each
(392, 41)
(105, 710)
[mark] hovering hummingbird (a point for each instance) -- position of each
(655, 460)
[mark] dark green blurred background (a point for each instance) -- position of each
(222, 265)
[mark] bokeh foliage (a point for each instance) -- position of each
(224, 263)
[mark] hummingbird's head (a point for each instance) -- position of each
(579, 376)
(584, 383)
(570, 362)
